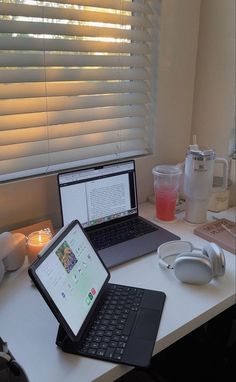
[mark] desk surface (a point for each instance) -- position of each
(30, 329)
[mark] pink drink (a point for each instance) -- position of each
(165, 203)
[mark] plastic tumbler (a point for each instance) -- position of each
(166, 187)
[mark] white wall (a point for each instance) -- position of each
(178, 50)
(175, 83)
(25, 202)
(214, 100)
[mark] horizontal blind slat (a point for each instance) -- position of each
(106, 149)
(68, 143)
(73, 14)
(73, 30)
(17, 121)
(90, 127)
(24, 90)
(66, 45)
(64, 74)
(34, 105)
(39, 133)
(111, 4)
(17, 59)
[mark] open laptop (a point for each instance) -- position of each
(104, 199)
(97, 319)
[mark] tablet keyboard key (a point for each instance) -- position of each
(109, 353)
(92, 351)
(101, 352)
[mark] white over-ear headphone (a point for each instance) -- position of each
(192, 265)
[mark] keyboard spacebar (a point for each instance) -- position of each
(129, 323)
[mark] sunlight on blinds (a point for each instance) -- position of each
(77, 82)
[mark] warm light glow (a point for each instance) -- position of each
(36, 242)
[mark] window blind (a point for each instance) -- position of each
(77, 82)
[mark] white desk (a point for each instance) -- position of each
(30, 329)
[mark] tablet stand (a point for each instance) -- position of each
(64, 342)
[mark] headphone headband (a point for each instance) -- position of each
(173, 248)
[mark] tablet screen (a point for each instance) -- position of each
(72, 274)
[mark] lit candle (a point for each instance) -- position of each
(36, 242)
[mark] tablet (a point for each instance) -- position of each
(70, 277)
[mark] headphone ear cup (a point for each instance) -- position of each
(216, 257)
(193, 268)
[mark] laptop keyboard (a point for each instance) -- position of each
(109, 333)
(117, 233)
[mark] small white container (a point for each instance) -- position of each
(219, 199)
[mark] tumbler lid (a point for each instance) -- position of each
(166, 169)
(201, 153)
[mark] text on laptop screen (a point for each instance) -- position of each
(73, 275)
(97, 195)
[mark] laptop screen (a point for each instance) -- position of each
(70, 274)
(98, 194)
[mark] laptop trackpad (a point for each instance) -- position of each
(146, 324)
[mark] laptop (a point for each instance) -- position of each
(104, 199)
(111, 322)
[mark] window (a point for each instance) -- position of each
(77, 82)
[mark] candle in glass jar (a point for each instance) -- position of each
(36, 242)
